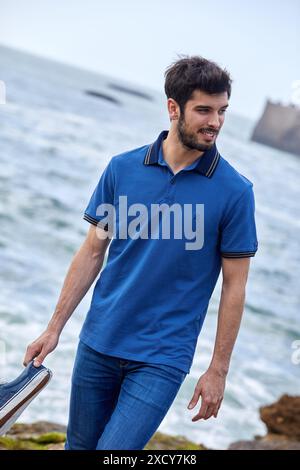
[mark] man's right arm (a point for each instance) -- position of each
(84, 268)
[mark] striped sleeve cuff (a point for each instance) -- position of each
(95, 222)
(239, 254)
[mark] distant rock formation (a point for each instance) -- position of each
(103, 96)
(130, 91)
(283, 423)
(279, 127)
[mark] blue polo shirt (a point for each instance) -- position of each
(151, 298)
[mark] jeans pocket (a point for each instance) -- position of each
(175, 373)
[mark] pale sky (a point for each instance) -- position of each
(258, 41)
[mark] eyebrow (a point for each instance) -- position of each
(209, 107)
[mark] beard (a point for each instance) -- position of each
(190, 140)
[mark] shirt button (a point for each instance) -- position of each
(172, 181)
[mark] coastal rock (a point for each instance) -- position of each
(283, 417)
(283, 424)
(36, 436)
(279, 127)
(27, 431)
(130, 91)
(162, 441)
(103, 96)
(44, 435)
(276, 444)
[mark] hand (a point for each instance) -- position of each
(41, 347)
(210, 387)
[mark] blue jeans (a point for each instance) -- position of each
(117, 403)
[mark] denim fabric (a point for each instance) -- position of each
(117, 403)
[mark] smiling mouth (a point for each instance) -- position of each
(208, 132)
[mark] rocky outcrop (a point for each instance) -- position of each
(283, 424)
(162, 441)
(130, 91)
(45, 435)
(103, 96)
(42, 435)
(279, 127)
(281, 418)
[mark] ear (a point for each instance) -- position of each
(173, 109)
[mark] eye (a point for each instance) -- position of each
(223, 111)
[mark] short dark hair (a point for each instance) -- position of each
(189, 74)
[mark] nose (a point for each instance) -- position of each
(214, 121)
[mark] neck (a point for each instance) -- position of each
(175, 154)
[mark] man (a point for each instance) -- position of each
(149, 303)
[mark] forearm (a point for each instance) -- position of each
(82, 272)
(229, 319)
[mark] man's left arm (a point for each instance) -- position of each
(211, 385)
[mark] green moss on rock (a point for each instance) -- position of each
(167, 442)
(50, 438)
(9, 443)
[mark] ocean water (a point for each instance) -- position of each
(55, 141)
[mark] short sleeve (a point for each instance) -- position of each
(103, 195)
(238, 230)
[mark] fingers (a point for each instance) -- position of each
(209, 408)
(195, 397)
(40, 348)
(215, 414)
(210, 387)
(31, 352)
(210, 411)
(38, 353)
(202, 411)
(40, 358)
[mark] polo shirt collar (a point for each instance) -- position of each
(206, 165)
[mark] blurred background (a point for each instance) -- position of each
(84, 81)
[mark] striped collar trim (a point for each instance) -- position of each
(206, 165)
